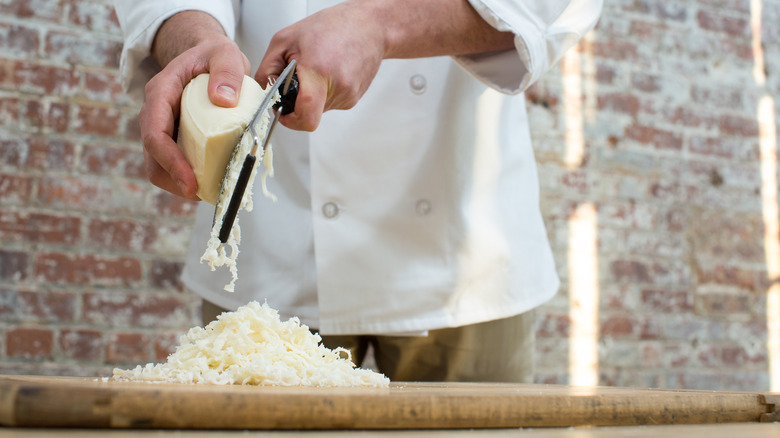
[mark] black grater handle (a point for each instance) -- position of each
(235, 200)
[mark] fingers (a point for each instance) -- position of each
(336, 64)
(312, 91)
(310, 103)
(166, 166)
(226, 75)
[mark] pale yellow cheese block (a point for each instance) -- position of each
(208, 133)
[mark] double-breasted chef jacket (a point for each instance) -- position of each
(415, 210)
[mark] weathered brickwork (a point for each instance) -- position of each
(653, 120)
(671, 160)
(90, 252)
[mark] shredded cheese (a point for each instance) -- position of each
(216, 255)
(252, 346)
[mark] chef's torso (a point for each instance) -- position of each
(417, 209)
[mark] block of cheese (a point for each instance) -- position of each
(253, 346)
(208, 133)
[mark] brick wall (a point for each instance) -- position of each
(90, 250)
(656, 190)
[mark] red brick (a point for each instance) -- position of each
(91, 269)
(738, 126)
(166, 275)
(725, 235)
(47, 306)
(93, 16)
(8, 304)
(13, 151)
(97, 120)
(721, 147)
(660, 9)
(647, 82)
(46, 116)
(620, 103)
(730, 276)
(167, 204)
(652, 30)
(651, 354)
(15, 189)
(39, 228)
(718, 97)
(716, 21)
(692, 117)
(675, 220)
(121, 234)
(664, 190)
(661, 139)
(575, 181)
(605, 74)
(104, 86)
(619, 326)
(29, 343)
(82, 49)
(164, 345)
(13, 265)
(136, 310)
(538, 95)
(729, 5)
(18, 40)
(44, 10)
(677, 355)
(667, 300)
(724, 304)
(9, 109)
(638, 272)
(103, 159)
(50, 154)
(128, 348)
(82, 345)
(36, 77)
(708, 356)
(616, 50)
(650, 329)
(553, 325)
(91, 194)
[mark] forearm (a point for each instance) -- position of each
(184, 31)
(415, 29)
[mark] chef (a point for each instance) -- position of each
(408, 212)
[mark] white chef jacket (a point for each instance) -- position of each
(417, 209)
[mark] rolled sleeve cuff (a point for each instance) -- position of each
(508, 71)
(140, 24)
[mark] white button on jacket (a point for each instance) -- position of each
(415, 210)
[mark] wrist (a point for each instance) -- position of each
(183, 31)
(416, 29)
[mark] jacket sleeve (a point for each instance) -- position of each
(544, 30)
(140, 20)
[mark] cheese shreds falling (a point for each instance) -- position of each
(252, 346)
(216, 254)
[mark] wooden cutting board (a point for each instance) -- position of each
(37, 401)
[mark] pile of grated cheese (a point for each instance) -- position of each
(252, 346)
(216, 254)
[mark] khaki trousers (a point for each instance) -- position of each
(493, 351)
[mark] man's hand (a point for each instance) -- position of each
(339, 49)
(337, 61)
(188, 44)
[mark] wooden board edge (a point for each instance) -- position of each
(8, 390)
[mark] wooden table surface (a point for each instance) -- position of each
(56, 402)
(732, 430)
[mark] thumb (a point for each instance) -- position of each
(225, 80)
